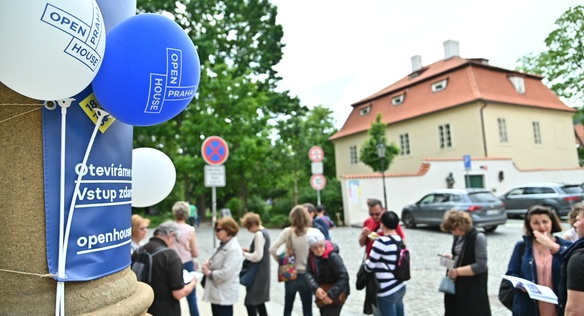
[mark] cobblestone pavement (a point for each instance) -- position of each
(422, 296)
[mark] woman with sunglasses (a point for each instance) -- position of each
(222, 269)
(537, 258)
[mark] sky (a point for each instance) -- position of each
(340, 52)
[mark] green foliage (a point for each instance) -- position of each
(268, 132)
(278, 221)
(561, 64)
(368, 153)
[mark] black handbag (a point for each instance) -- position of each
(506, 292)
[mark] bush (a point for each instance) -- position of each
(277, 221)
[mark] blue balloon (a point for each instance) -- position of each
(150, 71)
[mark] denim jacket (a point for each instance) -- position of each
(525, 267)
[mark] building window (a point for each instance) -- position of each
(536, 133)
(440, 85)
(502, 130)
(518, 83)
(364, 111)
(354, 158)
(404, 141)
(398, 100)
(444, 134)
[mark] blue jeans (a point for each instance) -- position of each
(299, 285)
(192, 298)
(391, 305)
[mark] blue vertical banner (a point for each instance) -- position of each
(96, 231)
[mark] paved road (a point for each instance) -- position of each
(422, 296)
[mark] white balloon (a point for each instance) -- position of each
(153, 176)
(50, 50)
(116, 11)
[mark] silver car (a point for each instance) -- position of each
(486, 210)
(557, 196)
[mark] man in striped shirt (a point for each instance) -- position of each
(382, 261)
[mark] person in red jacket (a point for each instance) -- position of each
(372, 225)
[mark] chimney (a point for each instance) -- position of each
(451, 49)
(416, 63)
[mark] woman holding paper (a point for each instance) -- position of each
(537, 259)
(469, 271)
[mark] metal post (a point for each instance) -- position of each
(214, 219)
(466, 180)
(383, 178)
(318, 196)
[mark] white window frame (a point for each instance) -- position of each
(398, 99)
(365, 111)
(503, 137)
(536, 133)
(439, 85)
(444, 136)
(354, 159)
(404, 141)
(518, 83)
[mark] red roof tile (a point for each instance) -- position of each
(469, 80)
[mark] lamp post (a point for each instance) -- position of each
(381, 154)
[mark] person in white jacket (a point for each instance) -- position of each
(222, 269)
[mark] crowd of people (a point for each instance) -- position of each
(544, 255)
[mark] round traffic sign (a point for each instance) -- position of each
(316, 154)
(215, 150)
(318, 182)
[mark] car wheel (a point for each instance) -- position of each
(491, 228)
(408, 220)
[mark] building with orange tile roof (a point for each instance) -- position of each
(457, 107)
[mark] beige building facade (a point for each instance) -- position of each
(452, 108)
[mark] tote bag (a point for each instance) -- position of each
(287, 263)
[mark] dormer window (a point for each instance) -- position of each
(366, 110)
(518, 83)
(398, 99)
(439, 86)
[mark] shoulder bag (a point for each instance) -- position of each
(339, 300)
(287, 262)
(506, 288)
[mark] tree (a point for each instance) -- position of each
(368, 153)
(238, 43)
(562, 63)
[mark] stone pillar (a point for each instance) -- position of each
(24, 287)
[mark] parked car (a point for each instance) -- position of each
(557, 196)
(486, 210)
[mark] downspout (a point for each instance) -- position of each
(483, 129)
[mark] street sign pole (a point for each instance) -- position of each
(215, 152)
(467, 162)
(214, 219)
(318, 196)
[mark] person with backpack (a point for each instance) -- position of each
(537, 258)
(383, 261)
(469, 271)
(163, 270)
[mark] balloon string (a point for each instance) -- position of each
(21, 114)
(48, 275)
